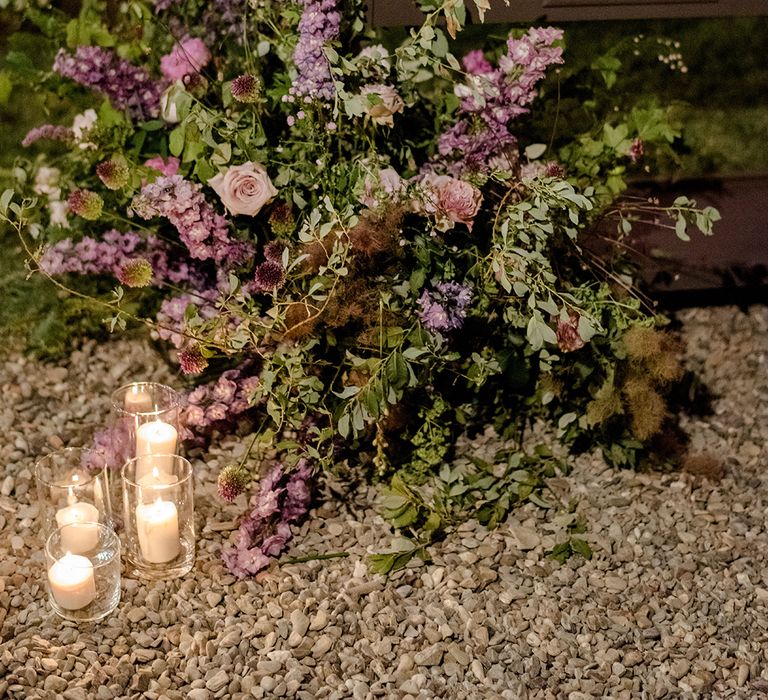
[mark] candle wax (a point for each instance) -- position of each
(154, 485)
(137, 401)
(155, 438)
(81, 533)
(158, 528)
(72, 581)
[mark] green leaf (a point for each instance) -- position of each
(394, 561)
(535, 150)
(176, 141)
(5, 200)
(581, 547)
(680, 228)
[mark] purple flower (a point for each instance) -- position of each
(216, 412)
(203, 231)
(246, 88)
(265, 531)
(318, 26)
(113, 446)
(475, 62)
(445, 308)
(232, 482)
(191, 360)
(492, 97)
(51, 132)
(636, 150)
(225, 19)
(89, 256)
(224, 390)
(269, 275)
(568, 337)
(187, 57)
(171, 319)
(127, 86)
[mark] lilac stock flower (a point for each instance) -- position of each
(220, 404)
(171, 318)
(127, 86)
(265, 531)
(319, 25)
(445, 308)
(476, 63)
(52, 132)
(113, 446)
(201, 229)
(492, 97)
(107, 257)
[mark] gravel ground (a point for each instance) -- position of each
(673, 604)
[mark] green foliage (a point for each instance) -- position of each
(471, 488)
(352, 365)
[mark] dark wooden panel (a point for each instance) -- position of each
(736, 256)
(405, 12)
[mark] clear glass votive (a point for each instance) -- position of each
(146, 422)
(73, 489)
(159, 516)
(86, 586)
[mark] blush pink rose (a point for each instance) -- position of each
(187, 58)
(244, 189)
(166, 167)
(452, 201)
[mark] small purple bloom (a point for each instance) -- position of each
(445, 308)
(127, 86)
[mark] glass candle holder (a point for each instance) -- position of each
(146, 423)
(86, 586)
(73, 489)
(159, 516)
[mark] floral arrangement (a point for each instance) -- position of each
(364, 245)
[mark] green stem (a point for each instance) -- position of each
(315, 557)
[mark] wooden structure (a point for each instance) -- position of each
(404, 12)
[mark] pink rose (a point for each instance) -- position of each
(452, 201)
(186, 58)
(166, 167)
(387, 104)
(244, 189)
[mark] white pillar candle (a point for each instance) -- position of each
(154, 438)
(137, 400)
(149, 484)
(72, 582)
(158, 527)
(82, 533)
